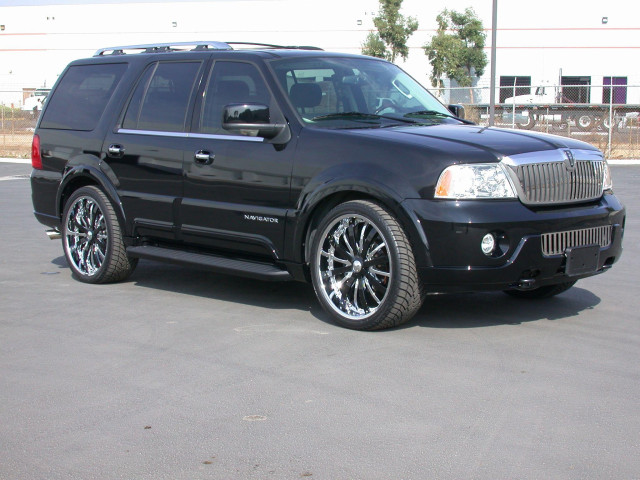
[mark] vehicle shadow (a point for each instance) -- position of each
(230, 288)
(488, 309)
(461, 310)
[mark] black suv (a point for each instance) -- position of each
(291, 163)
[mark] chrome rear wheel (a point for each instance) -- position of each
(86, 235)
(92, 238)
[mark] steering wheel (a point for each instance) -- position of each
(386, 104)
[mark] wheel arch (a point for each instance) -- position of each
(84, 175)
(316, 209)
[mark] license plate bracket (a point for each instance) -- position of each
(581, 260)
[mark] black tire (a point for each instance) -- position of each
(541, 292)
(92, 238)
(585, 122)
(529, 124)
(363, 269)
(604, 124)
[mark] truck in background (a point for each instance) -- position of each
(36, 100)
(569, 105)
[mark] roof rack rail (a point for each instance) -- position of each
(164, 47)
(196, 46)
(270, 45)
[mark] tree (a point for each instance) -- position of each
(393, 32)
(457, 49)
(374, 46)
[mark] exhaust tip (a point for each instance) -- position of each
(53, 234)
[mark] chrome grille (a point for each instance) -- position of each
(556, 243)
(551, 182)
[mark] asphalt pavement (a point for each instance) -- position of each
(186, 374)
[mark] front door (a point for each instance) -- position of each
(236, 186)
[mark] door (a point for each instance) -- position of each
(145, 153)
(236, 185)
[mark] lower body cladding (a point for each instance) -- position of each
(501, 245)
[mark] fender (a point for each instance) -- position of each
(90, 169)
(355, 180)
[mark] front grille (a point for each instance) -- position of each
(550, 183)
(556, 243)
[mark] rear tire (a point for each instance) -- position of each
(363, 269)
(541, 292)
(92, 238)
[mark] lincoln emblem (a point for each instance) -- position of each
(569, 161)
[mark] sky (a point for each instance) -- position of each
(21, 3)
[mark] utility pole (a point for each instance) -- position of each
(492, 95)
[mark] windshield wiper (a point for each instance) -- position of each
(436, 113)
(428, 113)
(360, 115)
(338, 115)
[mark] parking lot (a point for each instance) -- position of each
(187, 374)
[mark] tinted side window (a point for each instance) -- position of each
(231, 82)
(161, 99)
(81, 96)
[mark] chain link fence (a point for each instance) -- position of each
(19, 111)
(613, 125)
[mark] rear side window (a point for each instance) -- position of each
(80, 98)
(161, 99)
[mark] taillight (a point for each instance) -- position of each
(36, 158)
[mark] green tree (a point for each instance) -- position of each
(393, 32)
(457, 49)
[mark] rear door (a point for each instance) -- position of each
(145, 152)
(236, 185)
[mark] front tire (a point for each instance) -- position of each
(92, 238)
(363, 269)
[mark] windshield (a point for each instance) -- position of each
(356, 92)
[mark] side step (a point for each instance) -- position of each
(243, 268)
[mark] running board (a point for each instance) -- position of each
(243, 268)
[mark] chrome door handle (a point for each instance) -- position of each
(115, 150)
(203, 157)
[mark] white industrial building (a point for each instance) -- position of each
(583, 43)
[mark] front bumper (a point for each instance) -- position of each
(451, 233)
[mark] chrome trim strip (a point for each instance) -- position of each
(557, 242)
(206, 136)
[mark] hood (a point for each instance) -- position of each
(461, 139)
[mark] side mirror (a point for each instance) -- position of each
(250, 119)
(457, 110)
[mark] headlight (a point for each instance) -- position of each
(607, 183)
(473, 181)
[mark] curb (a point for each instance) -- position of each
(16, 160)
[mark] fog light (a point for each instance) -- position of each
(488, 244)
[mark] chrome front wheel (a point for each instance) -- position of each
(363, 269)
(355, 266)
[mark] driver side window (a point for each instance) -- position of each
(230, 83)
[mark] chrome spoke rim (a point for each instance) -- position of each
(86, 236)
(355, 267)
